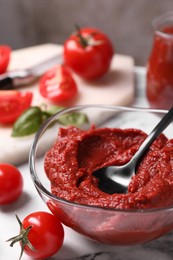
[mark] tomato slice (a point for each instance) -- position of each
(5, 52)
(12, 104)
(58, 85)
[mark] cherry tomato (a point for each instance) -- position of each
(58, 85)
(11, 183)
(5, 52)
(12, 104)
(88, 53)
(41, 235)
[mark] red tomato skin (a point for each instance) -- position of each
(12, 104)
(46, 234)
(11, 183)
(5, 52)
(58, 85)
(90, 62)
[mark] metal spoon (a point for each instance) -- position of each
(115, 179)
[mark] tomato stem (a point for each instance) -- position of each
(83, 40)
(87, 41)
(22, 238)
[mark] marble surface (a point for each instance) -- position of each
(75, 246)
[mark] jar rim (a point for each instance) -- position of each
(162, 21)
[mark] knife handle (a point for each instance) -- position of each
(6, 83)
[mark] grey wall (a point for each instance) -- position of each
(127, 22)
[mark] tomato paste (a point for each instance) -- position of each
(160, 70)
(70, 163)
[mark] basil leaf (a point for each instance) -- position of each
(54, 109)
(45, 115)
(75, 119)
(28, 123)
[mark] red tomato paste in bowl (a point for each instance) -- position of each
(69, 165)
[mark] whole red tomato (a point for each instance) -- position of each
(41, 235)
(5, 52)
(12, 104)
(58, 85)
(11, 183)
(88, 52)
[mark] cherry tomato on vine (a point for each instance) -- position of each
(41, 235)
(88, 52)
(5, 52)
(58, 85)
(11, 183)
(12, 104)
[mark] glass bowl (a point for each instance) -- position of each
(110, 226)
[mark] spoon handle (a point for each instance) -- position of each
(165, 121)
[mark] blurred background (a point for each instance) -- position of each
(25, 23)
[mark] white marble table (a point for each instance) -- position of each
(75, 246)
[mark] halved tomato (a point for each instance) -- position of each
(12, 104)
(5, 52)
(58, 84)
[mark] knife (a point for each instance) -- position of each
(17, 78)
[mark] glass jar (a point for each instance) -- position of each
(159, 79)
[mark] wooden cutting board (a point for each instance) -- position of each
(115, 88)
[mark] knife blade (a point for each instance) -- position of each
(17, 78)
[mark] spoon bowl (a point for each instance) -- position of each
(116, 179)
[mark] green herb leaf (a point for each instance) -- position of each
(54, 109)
(75, 119)
(28, 123)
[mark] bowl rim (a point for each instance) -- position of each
(48, 194)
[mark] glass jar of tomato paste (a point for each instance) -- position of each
(160, 64)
